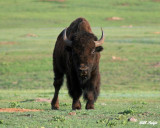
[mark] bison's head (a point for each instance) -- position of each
(84, 49)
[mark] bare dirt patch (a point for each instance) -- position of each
(18, 110)
(127, 26)
(156, 32)
(30, 35)
(114, 18)
(115, 58)
(125, 4)
(53, 0)
(156, 0)
(156, 65)
(43, 100)
(15, 82)
(7, 43)
(132, 119)
(72, 113)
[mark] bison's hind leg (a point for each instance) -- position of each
(58, 81)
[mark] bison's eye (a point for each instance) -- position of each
(93, 51)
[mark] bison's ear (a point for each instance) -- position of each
(99, 49)
(68, 48)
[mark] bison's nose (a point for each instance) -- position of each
(83, 70)
(83, 67)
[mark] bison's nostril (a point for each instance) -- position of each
(83, 68)
(83, 73)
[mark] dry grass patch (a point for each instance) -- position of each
(156, 32)
(115, 58)
(18, 110)
(114, 18)
(7, 43)
(53, 0)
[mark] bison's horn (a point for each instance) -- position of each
(66, 40)
(100, 41)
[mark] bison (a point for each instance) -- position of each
(76, 54)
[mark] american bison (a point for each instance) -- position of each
(77, 54)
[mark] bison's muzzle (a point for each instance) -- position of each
(83, 71)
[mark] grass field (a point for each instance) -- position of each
(144, 106)
(129, 66)
(51, 13)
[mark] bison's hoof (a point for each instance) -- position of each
(76, 108)
(89, 106)
(76, 105)
(55, 108)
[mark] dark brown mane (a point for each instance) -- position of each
(78, 25)
(83, 35)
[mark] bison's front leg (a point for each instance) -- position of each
(92, 91)
(76, 104)
(57, 84)
(74, 91)
(90, 100)
(55, 101)
(75, 94)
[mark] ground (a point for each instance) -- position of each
(113, 108)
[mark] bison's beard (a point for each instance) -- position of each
(83, 79)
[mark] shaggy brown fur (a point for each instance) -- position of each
(80, 63)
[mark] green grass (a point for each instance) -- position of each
(112, 108)
(130, 84)
(39, 13)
